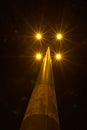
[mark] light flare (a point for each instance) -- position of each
(59, 36)
(39, 36)
(38, 56)
(58, 56)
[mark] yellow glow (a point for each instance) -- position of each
(59, 36)
(58, 56)
(38, 36)
(38, 56)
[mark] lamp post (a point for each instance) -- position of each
(42, 112)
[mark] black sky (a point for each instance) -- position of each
(18, 71)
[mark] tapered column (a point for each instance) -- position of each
(41, 113)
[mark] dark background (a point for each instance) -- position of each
(19, 20)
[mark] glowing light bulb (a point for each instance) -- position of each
(38, 56)
(58, 56)
(38, 36)
(59, 36)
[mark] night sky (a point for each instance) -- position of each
(19, 20)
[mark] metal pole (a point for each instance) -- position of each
(41, 113)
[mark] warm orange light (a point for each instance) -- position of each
(38, 56)
(38, 36)
(59, 36)
(58, 56)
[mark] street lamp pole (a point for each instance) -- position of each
(42, 113)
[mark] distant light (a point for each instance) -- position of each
(38, 56)
(58, 56)
(59, 36)
(38, 36)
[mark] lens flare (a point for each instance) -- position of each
(58, 56)
(38, 56)
(39, 36)
(59, 36)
